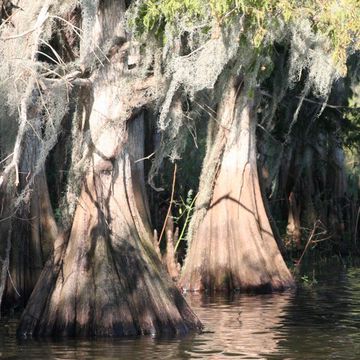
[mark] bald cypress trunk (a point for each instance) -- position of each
(104, 277)
(27, 222)
(32, 230)
(232, 245)
(106, 280)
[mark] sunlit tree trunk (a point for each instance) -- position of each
(104, 278)
(107, 280)
(232, 245)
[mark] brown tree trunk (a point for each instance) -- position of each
(105, 279)
(316, 191)
(29, 221)
(108, 281)
(26, 218)
(32, 234)
(293, 229)
(232, 244)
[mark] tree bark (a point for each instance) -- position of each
(29, 220)
(26, 216)
(232, 244)
(108, 281)
(32, 234)
(105, 279)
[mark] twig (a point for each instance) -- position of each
(212, 117)
(227, 14)
(186, 222)
(78, 32)
(3, 160)
(58, 57)
(12, 283)
(171, 201)
(43, 16)
(195, 51)
(323, 239)
(331, 106)
(268, 132)
(5, 264)
(308, 242)
(145, 158)
(8, 19)
(17, 147)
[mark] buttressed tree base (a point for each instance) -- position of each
(232, 245)
(103, 277)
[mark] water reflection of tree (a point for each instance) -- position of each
(241, 325)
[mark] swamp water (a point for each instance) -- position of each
(315, 321)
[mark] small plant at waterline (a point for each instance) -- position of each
(186, 209)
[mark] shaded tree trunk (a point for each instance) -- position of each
(232, 244)
(29, 221)
(32, 232)
(293, 228)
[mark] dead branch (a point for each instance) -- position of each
(170, 205)
(310, 240)
(43, 16)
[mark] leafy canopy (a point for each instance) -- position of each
(336, 21)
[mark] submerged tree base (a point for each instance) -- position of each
(106, 279)
(125, 296)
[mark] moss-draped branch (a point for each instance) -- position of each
(337, 22)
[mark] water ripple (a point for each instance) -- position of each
(312, 322)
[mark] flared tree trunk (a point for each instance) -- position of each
(32, 234)
(27, 223)
(105, 278)
(232, 244)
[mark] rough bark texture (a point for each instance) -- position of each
(233, 246)
(32, 234)
(105, 279)
(26, 218)
(108, 281)
(29, 221)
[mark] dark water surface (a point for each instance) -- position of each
(320, 321)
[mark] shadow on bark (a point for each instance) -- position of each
(105, 279)
(232, 244)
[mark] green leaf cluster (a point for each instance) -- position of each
(336, 21)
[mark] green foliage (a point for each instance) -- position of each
(307, 281)
(337, 22)
(352, 129)
(185, 210)
(152, 15)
